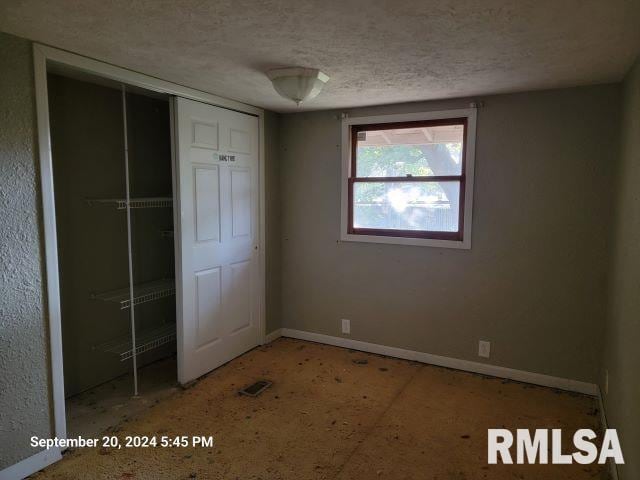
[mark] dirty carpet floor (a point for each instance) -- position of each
(333, 413)
(92, 412)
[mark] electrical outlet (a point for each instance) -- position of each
(346, 326)
(606, 382)
(484, 349)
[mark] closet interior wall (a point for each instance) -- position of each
(88, 158)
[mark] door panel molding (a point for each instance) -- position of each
(204, 213)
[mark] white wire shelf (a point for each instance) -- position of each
(140, 202)
(142, 293)
(145, 340)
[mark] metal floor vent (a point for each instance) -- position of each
(255, 389)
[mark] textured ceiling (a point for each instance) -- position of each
(375, 51)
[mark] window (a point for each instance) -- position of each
(408, 178)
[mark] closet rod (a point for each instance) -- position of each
(132, 315)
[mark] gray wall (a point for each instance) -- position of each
(24, 382)
(273, 227)
(534, 281)
(622, 344)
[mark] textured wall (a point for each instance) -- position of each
(534, 281)
(24, 396)
(273, 227)
(622, 355)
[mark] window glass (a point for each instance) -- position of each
(407, 178)
(417, 151)
(428, 206)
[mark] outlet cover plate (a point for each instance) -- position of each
(484, 349)
(346, 326)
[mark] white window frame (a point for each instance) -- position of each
(468, 113)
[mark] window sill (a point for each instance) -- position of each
(419, 242)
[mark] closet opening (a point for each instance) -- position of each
(112, 169)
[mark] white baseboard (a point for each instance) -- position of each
(458, 364)
(613, 468)
(31, 464)
(270, 337)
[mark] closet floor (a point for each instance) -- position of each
(98, 410)
(334, 413)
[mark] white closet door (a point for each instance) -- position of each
(217, 235)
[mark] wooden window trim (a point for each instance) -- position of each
(422, 234)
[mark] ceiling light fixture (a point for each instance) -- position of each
(297, 83)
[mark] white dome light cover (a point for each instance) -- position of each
(297, 83)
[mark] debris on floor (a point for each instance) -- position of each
(415, 418)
